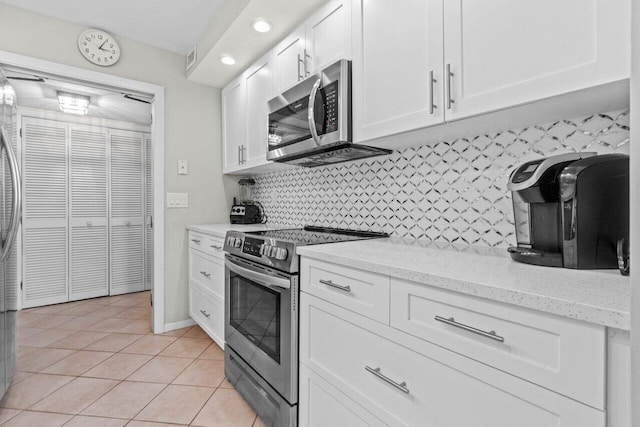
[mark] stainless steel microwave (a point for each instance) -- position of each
(310, 124)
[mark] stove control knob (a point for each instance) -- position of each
(265, 249)
(279, 254)
(234, 242)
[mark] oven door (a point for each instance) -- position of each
(261, 322)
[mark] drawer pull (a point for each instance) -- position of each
(205, 274)
(451, 321)
(335, 285)
(195, 240)
(219, 248)
(204, 312)
(400, 386)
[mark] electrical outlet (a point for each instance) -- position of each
(183, 168)
(177, 200)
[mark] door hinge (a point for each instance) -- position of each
(151, 298)
(21, 285)
(20, 132)
(151, 221)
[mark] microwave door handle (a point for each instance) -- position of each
(14, 222)
(260, 278)
(311, 116)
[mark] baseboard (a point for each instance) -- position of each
(178, 325)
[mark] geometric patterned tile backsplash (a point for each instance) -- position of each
(451, 191)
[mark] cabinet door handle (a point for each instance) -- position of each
(432, 82)
(219, 248)
(449, 77)
(400, 386)
(452, 322)
(306, 72)
(244, 154)
(300, 60)
(204, 312)
(239, 156)
(195, 240)
(205, 274)
(335, 285)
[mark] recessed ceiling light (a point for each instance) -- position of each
(261, 26)
(227, 60)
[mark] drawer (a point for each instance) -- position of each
(208, 244)
(207, 310)
(207, 271)
(214, 246)
(357, 290)
(561, 354)
(434, 387)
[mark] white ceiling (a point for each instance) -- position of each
(105, 103)
(174, 25)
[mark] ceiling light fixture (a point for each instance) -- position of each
(227, 60)
(261, 26)
(73, 103)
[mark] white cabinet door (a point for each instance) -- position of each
(259, 90)
(321, 404)
(504, 53)
(88, 213)
(397, 48)
(328, 36)
(233, 123)
(45, 212)
(289, 60)
(126, 211)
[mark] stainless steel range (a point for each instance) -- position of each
(261, 315)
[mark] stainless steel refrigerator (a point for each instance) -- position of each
(10, 214)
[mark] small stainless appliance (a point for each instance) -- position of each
(310, 124)
(247, 211)
(571, 210)
(261, 315)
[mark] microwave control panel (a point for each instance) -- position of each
(330, 95)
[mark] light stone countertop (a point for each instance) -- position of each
(220, 230)
(597, 296)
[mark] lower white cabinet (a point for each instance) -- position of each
(401, 382)
(206, 284)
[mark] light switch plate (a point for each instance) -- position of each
(183, 168)
(177, 200)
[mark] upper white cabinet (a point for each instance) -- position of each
(504, 53)
(259, 89)
(397, 66)
(323, 39)
(233, 123)
(418, 63)
(245, 117)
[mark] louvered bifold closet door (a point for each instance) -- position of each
(45, 212)
(148, 218)
(88, 241)
(126, 211)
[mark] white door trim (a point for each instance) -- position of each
(157, 132)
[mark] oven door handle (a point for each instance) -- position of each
(260, 278)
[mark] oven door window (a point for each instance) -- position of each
(255, 313)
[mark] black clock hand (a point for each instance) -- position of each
(103, 43)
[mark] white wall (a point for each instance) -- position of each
(192, 129)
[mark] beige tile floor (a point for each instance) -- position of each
(96, 363)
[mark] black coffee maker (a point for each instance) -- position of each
(571, 210)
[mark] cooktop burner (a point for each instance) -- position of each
(311, 235)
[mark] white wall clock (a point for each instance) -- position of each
(99, 47)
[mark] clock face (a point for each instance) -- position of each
(99, 47)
